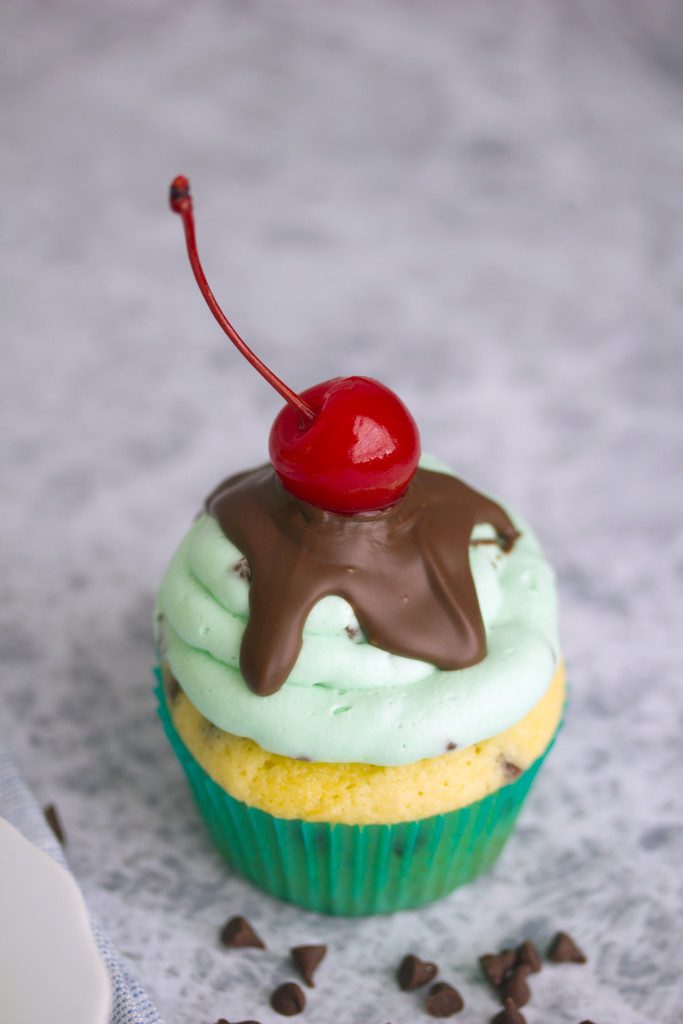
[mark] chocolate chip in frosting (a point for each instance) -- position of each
(496, 965)
(514, 986)
(237, 933)
(413, 972)
(288, 999)
(354, 632)
(307, 960)
(242, 569)
(451, 745)
(564, 950)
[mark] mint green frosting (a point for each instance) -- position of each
(346, 700)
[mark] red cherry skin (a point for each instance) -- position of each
(358, 454)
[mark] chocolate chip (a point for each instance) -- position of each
(528, 954)
(224, 1021)
(288, 999)
(55, 822)
(443, 1000)
(237, 933)
(564, 950)
(307, 959)
(173, 688)
(514, 987)
(496, 965)
(243, 570)
(352, 632)
(509, 1015)
(510, 769)
(413, 972)
(451, 745)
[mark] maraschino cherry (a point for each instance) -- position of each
(348, 445)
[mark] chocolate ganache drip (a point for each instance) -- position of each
(404, 570)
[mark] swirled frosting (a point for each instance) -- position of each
(346, 700)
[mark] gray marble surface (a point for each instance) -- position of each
(482, 206)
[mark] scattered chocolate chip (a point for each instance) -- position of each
(413, 972)
(528, 954)
(243, 570)
(307, 960)
(237, 933)
(496, 965)
(514, 987)
(55, 822)
(564, 950)
(451, 745)
(302, 757)
(352, 632)
(224, 1021)
(510, 769)
(288, 999)
(586, 1022)
(509, 1015)
(443, 1000)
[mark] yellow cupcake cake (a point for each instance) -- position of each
(359, 664)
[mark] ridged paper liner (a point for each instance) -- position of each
(354, 869)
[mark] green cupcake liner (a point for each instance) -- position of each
(353, 870)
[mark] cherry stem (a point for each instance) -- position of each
(180, 202)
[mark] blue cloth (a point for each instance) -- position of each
(130, 1005)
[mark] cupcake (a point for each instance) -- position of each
(359, 667)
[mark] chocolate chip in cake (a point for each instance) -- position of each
(55, 822)
(237, 933)
(451, 745)
(443, 1000)
(307, 960)
(509, 1015)
(514, 986)
(510, 769)
(496, 965)
(173, 688)
(288, 999)
(564, 950)
(242, 569)
(413, 972)
(528, 954)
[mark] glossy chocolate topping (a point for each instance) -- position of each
(405, 570)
